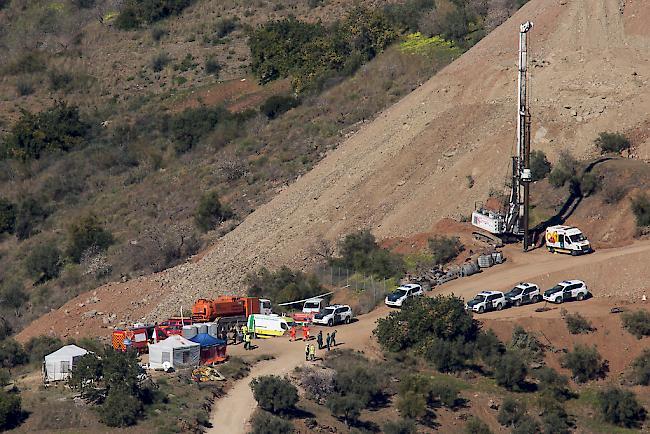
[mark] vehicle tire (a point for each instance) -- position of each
(517, 303)
(347, 320)
(330, 323)
(537, 299)
(574, 253)
(481, 309)
(551, 249)
(580, 296)
(499, 306)
(559, 300)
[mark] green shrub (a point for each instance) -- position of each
(641, 369)
(311, 53)
(424, 320)
(5, 377)
(526, 425)
(526, 344)
(5, 328)
(275, 105)
(612, 142)
(157, 33)
(412, 405)
(44, 262)
(13, 295)
(29, 215)
(12, 354)
(210, 212)
(588, 184)
(159, 61)
(24, 87)
(57, 129)
(266, 423)
(11, 413)
(475, 425)
(360, 252)
(444, 249)
(403, 426)
(7, 216)
(553, 384)
(138, 12)
(84, 4)
(578, 324)
(40, 346)
(283, 285)
(406, 16)
(511, 412)
(489, 348)
(61, 80)
(29, 62)
(641, 210)
(212, 66)
(448, 355)
(565, 170)
(274, 394)
(87, 233)
(188, 127)
(637, 323)
(347, 408)
(584, 362)
(511, 371)
(225, 26)
(555, 419)
(120, 409)
(620, 407)
(540, 167)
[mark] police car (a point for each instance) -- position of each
(401, 294)
(524, 293)
(487, 300)
(566, 290)
(334, 314)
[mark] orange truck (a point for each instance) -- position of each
(205, 310)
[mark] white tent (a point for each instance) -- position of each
(59, 364)
(175, 350)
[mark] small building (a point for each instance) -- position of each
(175, 352)
(213, 350)
(58, 365)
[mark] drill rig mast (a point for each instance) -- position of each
(513, 221)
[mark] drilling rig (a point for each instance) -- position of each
(511, 222)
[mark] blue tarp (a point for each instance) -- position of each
(205, 340)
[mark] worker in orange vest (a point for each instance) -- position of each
(305, 332)
(292, 333)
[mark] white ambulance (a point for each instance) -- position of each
(567, 239)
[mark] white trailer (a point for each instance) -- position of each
(567, 239)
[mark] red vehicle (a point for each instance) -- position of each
(174, 325)
(137, 337)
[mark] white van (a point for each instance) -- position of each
(567, 239)
(268, 325)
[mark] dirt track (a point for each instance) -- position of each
(232, 411)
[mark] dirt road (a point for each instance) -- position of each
(232, 412)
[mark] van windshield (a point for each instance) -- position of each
(328, 311)
(577, 238)
(400, 293)
(312, 305)
(480, 298)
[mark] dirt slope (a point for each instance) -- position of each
(407, 169)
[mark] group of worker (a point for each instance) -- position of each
(247, 337)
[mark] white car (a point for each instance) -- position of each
(334, 314)
(524, 293)
(487, 300)
(403, 293)
(565, 290)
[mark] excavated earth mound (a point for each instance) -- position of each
(408, 168)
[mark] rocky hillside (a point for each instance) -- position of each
(409, 167)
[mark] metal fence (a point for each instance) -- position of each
(369, 290)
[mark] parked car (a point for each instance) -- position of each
(335, 314)
(487, 300)
(403, 293)
(566, 290)
(524, 293)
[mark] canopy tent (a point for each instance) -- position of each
(58, 365)
(175, 350)
(212, 349)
